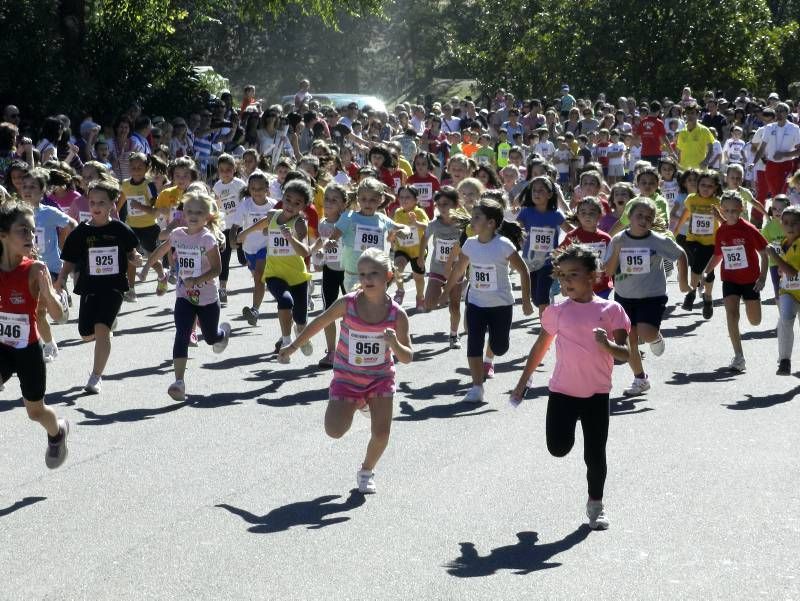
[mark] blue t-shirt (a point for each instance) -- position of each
(47, 220)
(360, 232)
(542, 229)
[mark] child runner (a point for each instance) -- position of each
(99, 251)
(46, 242)
(426, 183)
(254, 207)
(374, 329)
(621, 194)
(590, 332)
(285, 273)
(26, 285)
(773, 232)
(445, 231)
(591, 238)
(741, 249)
(669, 186)
(198, 261)
(335, 203)
(228, 192)
(407, 250)
(490, 301)
(688, 185)
(734, 178)
(636, 262)
(787, 256)
(701, 213)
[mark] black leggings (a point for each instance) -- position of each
(225, 255)
(294, 298)
(332, 285)
(563, 412)
(494, 320)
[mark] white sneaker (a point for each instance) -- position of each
(177, 391)
(221, 345)
(94, 384)
(50, 351)
(474, 395)
(737, 364)
(657, 346)
(639, 386)
(598, 520)
(130, 296)
(366, 481)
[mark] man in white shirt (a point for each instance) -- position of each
(781, 145)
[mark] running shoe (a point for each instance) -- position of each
(223, 297)
(221, 345)
(784, 368)
(130, 296)
(366, 481)
(488, 370)
(657, 346)
(399, 296)
(455, 343)
(708, 309)
(737, 364)
(94, 384)
(251, 315)
(162, 285)
(177, 391)
(57, 450)
(311, 304)
(598, 520)
(474, 395)
(50, 350)
(688, 300)
(639, 386)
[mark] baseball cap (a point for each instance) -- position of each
(565, 88)
(773, 96)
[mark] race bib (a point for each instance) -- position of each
(702, 225)
(443, 249)
(368, 237)
(734, 257)
(634, 261)
(541, 240)
(598, 249)
(254, 217)
(103, 260)
(229, 206)
(332, 255)
(483, 160)
(278, 245)
(411, 239)
(484, 277)
(175, 214)
(366, 349)
(424, 193)
(15, 329)
(189, 261)
(84, 216)
(788, 283)
(397, 183)
(39, 238)
(133, 211)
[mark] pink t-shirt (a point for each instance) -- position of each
(65, 201)
(79, 210)
(582, 369)
(192, 261)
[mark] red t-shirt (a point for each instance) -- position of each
(601, 149)
(18, 307)
(598, 241)
(739, 245)
(427, 187)
(651, 131)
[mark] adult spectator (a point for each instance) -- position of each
(470, 117)
(533, 120)
(695, 144)
(120, 147)
(450, 123)
(513, 125)
(714, 119)
(781, 145)
(566, 102)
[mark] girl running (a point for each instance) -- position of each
(425, 182)
(374, 329)
(26, 286)
(408, 250)
(773, 232)
(198, 261)
(621, 194)
(490, 301)
(787, 257)
(636, 262)
(590, 333)
(285, 273)
(591, 238)
(228, 192)
(688, 185)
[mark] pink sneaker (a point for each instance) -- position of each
(488, 370)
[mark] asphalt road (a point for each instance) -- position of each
(238, 494)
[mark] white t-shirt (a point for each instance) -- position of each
(229, 196)
(489, 285)
(735, 150)
(616, 147)
(716, 153)
(247, 213)
(780, 138)
(758, 138)
(546, 149)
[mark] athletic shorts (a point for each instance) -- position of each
(28, 364)
(644, 310)
(616, 170)
(699, 255)
(541, 282)
(744, 290)
(148, 236)
(102, 307)
(413, 262)
(254, 258)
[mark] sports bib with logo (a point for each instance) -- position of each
(366, 348)
(15, 329)
(541, 240)
(702, 224)
(103, 260)
(634, 261)
(189, 262)
(484, 277)
(734, 257)
(368, 237)
(443, 250)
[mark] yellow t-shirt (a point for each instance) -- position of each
(139, 192)
(702, 219)
(282, 261)
(319, 200)
(404, 166)
(169, 198)
(694, 145)
(410, 245)
(792, 256)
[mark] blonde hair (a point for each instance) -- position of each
(213, 221)
(370, 184)
(471, 181)
(794, 180)
(377, 256)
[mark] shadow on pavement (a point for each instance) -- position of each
(451, 387)
(162, 368)
(426, 354)
(311, 514)
(301, 398)
(627, 406)
(450, 410)
(760, 334)
(763, 402)
(721, 374)
(523, 557)
(155, 327)
(19, 505)
(126, 415)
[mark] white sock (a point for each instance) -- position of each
(454, 334)
(488, 359)
(286, 340)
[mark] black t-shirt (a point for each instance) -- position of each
(718, 122)
(100, 255)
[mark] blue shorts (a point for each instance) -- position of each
(254, 258)
(563, 178)
(541, 282)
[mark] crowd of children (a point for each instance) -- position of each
(573, 210)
